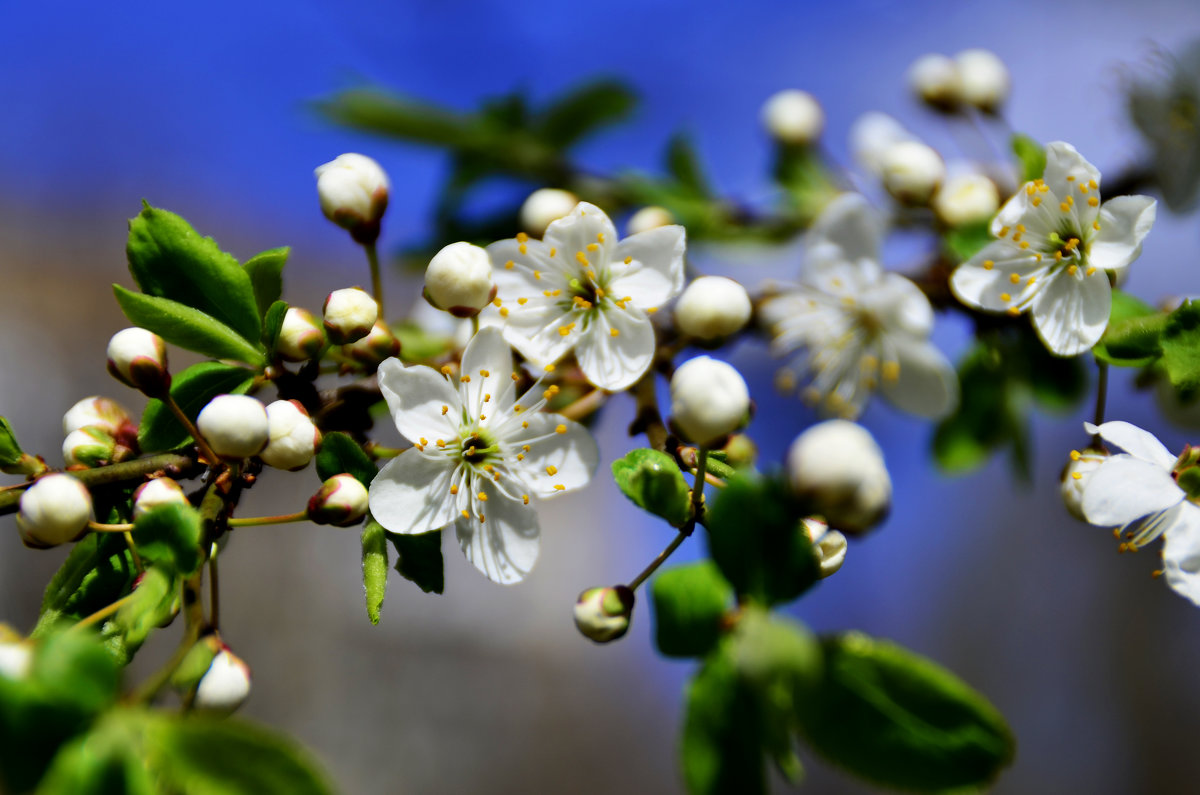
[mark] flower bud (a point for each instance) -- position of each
(138, 358)
(648, 218)
(341, 502)
(793, 117)
(544, 206)
(709, 400)
(912, 171)
(602, 614)
(1075, 477)
(156, 493)
(225, 686)
(459, 280)
(712, 307)
(300, 337)
(935, 79)
(353, 190)
(984, 79)
(837, 465)
(100, 412)
(235, 426)
(16, 656)
(372, 349)
(966, 199)
(829, 546)
(293, 436)
(873, 134)
(90, 446)
(54, 510)
(350, 313)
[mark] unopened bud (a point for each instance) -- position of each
(829, 546)
(372, 349)
(740, 451)
(935, 80)
(648, 218)
(602, 614)
(984, 79)
(1075, 476)
(235, 426)
(100, 412)
(156, 493)
(709, 400)
(353, 190)
(293, 436)
(89, 446)
(16, 653)
(349, 315)
(966, 199)
(459, 279)
(138, 358)
(793, 117)
(341, 502)
(300, 337)
(873, 134)
(54, 510)
(839, 468)
(545, 206)
(712, 307)
(225, 686)
(912, 171)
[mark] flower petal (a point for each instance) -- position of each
(487, 361)
(411, 494)
(504, 546)
(901, 305)
(611, 360)
(1065, 168)
(1124, 222)
(1137, 442)
(1070, 313)
(850, 223)
(655, 273)
(1181, 552)
(982, 281)
(416, 396)
(572, 455)
(585, 230)
(927, 384)
(1124, 489)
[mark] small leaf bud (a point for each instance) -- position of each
(837, 465)
(54, 510)
(350, 313)
(602, 614)
(138, 358)
(342, 501)
(372, 349)
(712, 307)
(353, 190)
(1075, 476)
(235, 426)
(912, 172)
(293, 436)
(225, 686)
(156, 493)
(709, 400)
(301, 337)
(89, 447)
(935, 80)
(966, 199)
(984, 79)
(793, 117)
(829, 546)
(100, 412)
(545, 206)
(459, 279)
(648, 218)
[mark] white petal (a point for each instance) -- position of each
(505, 545)
(616, 362)
(487, 352)
(586, 225)
(411, 494)
(1071, 313)
(1124, 222)
(1124, 489)
(902, 305)
(1137, 442)
(1181, 552)
(1062, 162)
(1015, 211)
(655, 274)
(838, 276)
(572, 455)
(984, 288)
(850, 223)
(535, 258)
(927, 384)
(415, 396)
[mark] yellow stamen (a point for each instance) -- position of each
(552, 470)
(614, 332)
(560, 429)
(525, 498)
(1015, 278)
(1005, 297)
(559, 487)
(482, 497)
(628, 260)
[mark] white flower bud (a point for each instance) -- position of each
(353, 190)
(293, 436)
(226, 684)
(935, 79)
(966, 199)
(90, 446)
(871, 135)
(300, 337)
(235, 426)
(1075, 477)
(709, 400)
(648, 218)
(341, 501)
(350, 313)
(372, 349)
(100, 412)
(544, 206)
(459, 279)
(712, 307)
(138, 358)
(984, 79)
(793, 117)
(838, 466)
(602, 614)
(156, 493)
(912, 171)
(829, 546)
(54, 510)
(16, 656)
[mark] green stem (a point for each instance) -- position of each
(376, 278)
(100, 527)
(214, 593)
(102, 476)
(648, 419)
(688, 527)
(259, 521)
(103, 612)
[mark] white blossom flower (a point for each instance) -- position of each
(984, 79)
(912, 171)
(479, 455)
(935, 80)
(1139, 493)
(858, 327)
(966, 199)
(1057, 246)
(582, 289)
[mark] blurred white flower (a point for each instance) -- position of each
(648, 218)
(983, 79)
(544, 206)
(838, 466)
(793, 117)
(966, 199)
(935, 80)
(912, 171)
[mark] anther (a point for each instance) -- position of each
(496, 301)
(447, 369)
(1005, 297)
(592, 247)
(553, 251)
(552, 470)
(628, 260)
(466, 379)
(445, 409)
(484, 373)
(1015, 278)
(537, 275)
(504, 311)
(1072, 270)
(581, 258)
(1077, 475)
(465, 514)
(482, 497)
(1093, 201)
(614, 332)
(522, 237)
(509, 265)
(988, 264)
(487, 396)
(454, 489)
(525, 498)
(561, 429)
(559, 487)
(599, 237)
(549, 368)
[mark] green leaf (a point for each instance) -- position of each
(97, 572)
(108, 759)
(722, 742)
(273, 324)
(1031, 155)
(419, 345)
(72, 668)
(171, 535)
(1057, 383)
(377, 111)
(984, 419)
(653, 481)
(899, 720)
(1132, 338)
(195, 663)
(266, 277)
(690, 603)
(754, 536)
(964, 242)
(374, 567)
(583, 110)
(10, 450)
(341, 454)
(192, 390)
(419, 558)
(187, 327)
(683, 163)
(1181, 346)
(169, 259)
(155, 601)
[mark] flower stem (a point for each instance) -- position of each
(100, 527)
(662, 556)
(377, 451)
(137, 560)
(688, 527)
(214, 594)
(205, 451)
(103, 612)
(259, 521)
(1101, 397)
(376, 278)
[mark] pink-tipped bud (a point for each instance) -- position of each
(602, 614)
(138, 358)
(349, 315)
(459, 279)
(54, 510)
(342, 501)
(372, 349)
(301, 337)
(89, 447)
(155, 493)
(353, 190)
(100, 412)
(293, 438)
(235, 426)
(225, 686)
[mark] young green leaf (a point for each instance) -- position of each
(683, 163)
(583, 110)
(419, 559)
(170, 535)
(192, 390)
(1031, 155)
(374, 567)
(273, 324)
(186, 327)
(339, 453)
(964, 242)
(154, 601)
(984, 420)
(1181, 346)
(10, 450)
(653, 481)
(419, 345)
(97, 572)
(690, 603)
(266, 277)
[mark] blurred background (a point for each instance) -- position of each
(208, 111)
